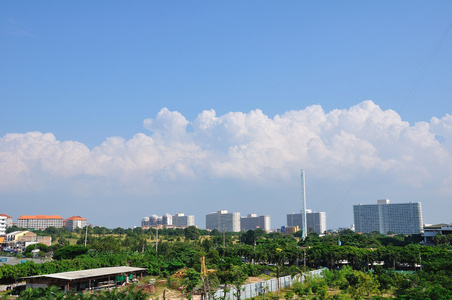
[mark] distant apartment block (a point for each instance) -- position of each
(39, 222)
(403, 218)
(223, 221)
(315, 221)
(167, 219)
(253, 221)
(9, 220)
(75, 222)
(179, 220)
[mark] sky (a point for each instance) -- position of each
(116, 110)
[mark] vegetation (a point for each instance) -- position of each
(363, 266)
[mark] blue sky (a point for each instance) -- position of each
(80, 80)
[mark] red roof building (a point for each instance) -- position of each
(9, 220)
(75, 222)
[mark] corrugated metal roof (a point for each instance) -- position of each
(74, 275)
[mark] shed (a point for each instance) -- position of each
(91, 279)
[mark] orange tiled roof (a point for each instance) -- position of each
(39, 217)
(5, 215)
(76, 218)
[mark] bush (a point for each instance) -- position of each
(69, 252)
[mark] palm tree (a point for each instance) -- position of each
(28, 294)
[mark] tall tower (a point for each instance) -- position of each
(303, 207)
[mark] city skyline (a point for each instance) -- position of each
(132, 107)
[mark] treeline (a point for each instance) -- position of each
(250, 253)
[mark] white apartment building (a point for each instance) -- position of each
(168, 221)
(315, 221)
(253, 221)
(40, 222)
(404, 218)
(2, 225)
(75, 222)
(9, 220)
(223, 221)
(181, 220)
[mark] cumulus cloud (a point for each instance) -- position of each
(249, 146)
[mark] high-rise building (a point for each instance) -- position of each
(253, 221)
(168, 221)
(181, 220)
(145, 222)
(39, 222)
(223, 221)
(75, 222)
(403, 218)
(315, 221)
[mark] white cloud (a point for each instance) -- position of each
(249, 146)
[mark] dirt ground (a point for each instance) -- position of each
(173, 294)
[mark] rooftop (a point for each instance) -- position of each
(39, 217)
(76, 218)
(74, 275)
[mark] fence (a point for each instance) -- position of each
(258, 288)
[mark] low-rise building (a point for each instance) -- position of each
(431, 231)
(291, 229)
(19, 240)
(85, 280)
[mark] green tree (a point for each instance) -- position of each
(192, 279)
(32, 247)
(69, 252)
(191, 233)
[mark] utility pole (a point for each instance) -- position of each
(86, 233)
(304, 229)
(224, 242)
(157, 241)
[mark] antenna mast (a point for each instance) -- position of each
(303, 208)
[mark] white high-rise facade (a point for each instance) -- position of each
(182, 220)
(253, 221)
(315, 221)
(169, 221)
(223, 221)
(403, 218)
